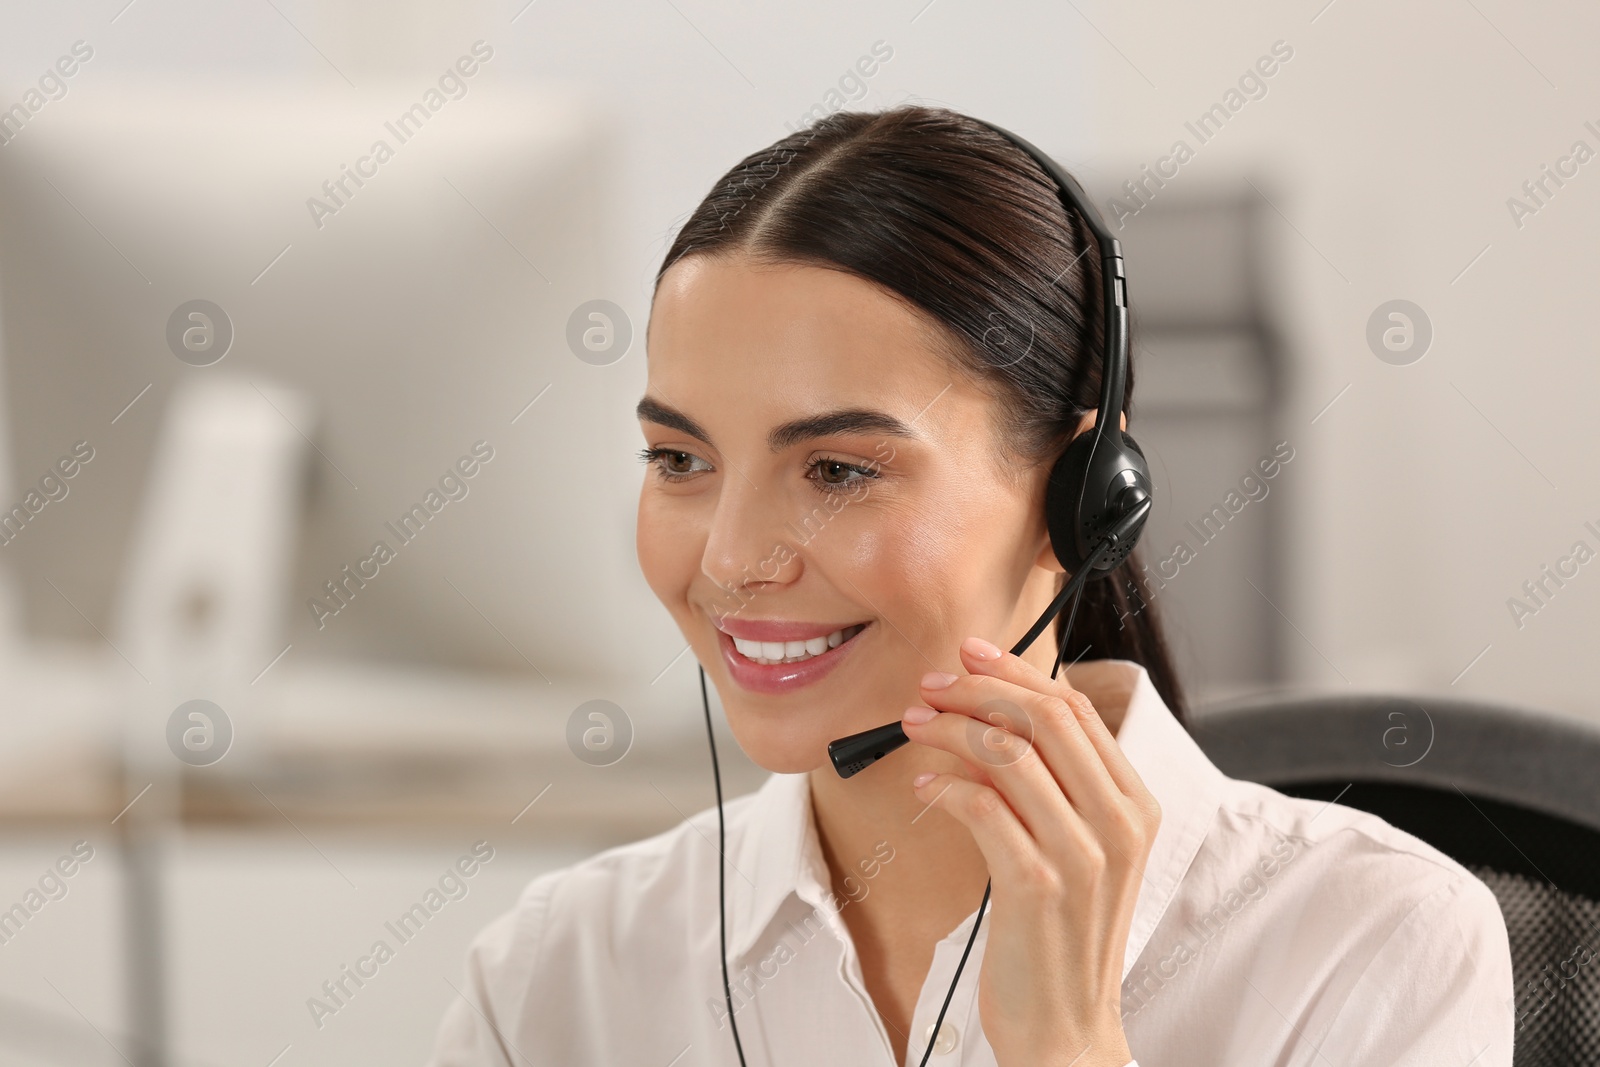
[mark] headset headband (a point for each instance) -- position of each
(1114, 376)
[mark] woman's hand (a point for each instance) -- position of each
(1065, 825)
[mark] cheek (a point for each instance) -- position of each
(668, 552)
(914, 572)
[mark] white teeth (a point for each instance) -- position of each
(770, 652)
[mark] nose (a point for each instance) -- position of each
(748, 543)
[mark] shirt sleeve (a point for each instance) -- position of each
(1439, 990)
(479, 1028)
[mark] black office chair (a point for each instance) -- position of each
(1511, 794)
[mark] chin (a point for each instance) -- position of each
(790, 766)
(777, 747)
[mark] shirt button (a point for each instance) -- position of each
(947, 1040)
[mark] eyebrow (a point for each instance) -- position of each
(824, 424)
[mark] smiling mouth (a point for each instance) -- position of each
(771, 653)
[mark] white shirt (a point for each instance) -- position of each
(1269, 930)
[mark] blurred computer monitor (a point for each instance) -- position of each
(422, 309)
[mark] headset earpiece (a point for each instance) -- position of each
(1093, 486)
(1101, 479)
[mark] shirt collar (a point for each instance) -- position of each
(779, 853)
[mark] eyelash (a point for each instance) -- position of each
(655, 455)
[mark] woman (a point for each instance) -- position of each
(868, 344)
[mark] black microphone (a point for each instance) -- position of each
(856, 752)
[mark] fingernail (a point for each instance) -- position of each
(977, 646)
(916, 715)
(922, 779)
(937, 680)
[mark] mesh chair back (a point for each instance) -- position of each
(1511, 794)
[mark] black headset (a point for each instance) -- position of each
(1096, 502)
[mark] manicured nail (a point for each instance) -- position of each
(977, 646)
(922, 779)
(937, 680)
(916, 715)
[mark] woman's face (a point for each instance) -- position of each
(822, 468)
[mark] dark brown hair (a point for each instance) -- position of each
(955, 220)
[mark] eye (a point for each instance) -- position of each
(827, 474)
(667, 463)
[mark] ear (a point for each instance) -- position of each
(1087, 422)
(1047, 556)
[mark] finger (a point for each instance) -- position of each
(1129, 817)
(1012, 856)
(1010, 765)
(1045, 718)
(1018, 670)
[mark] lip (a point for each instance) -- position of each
(777, 679)
(777, 629)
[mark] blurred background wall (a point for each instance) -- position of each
(1336, 158)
